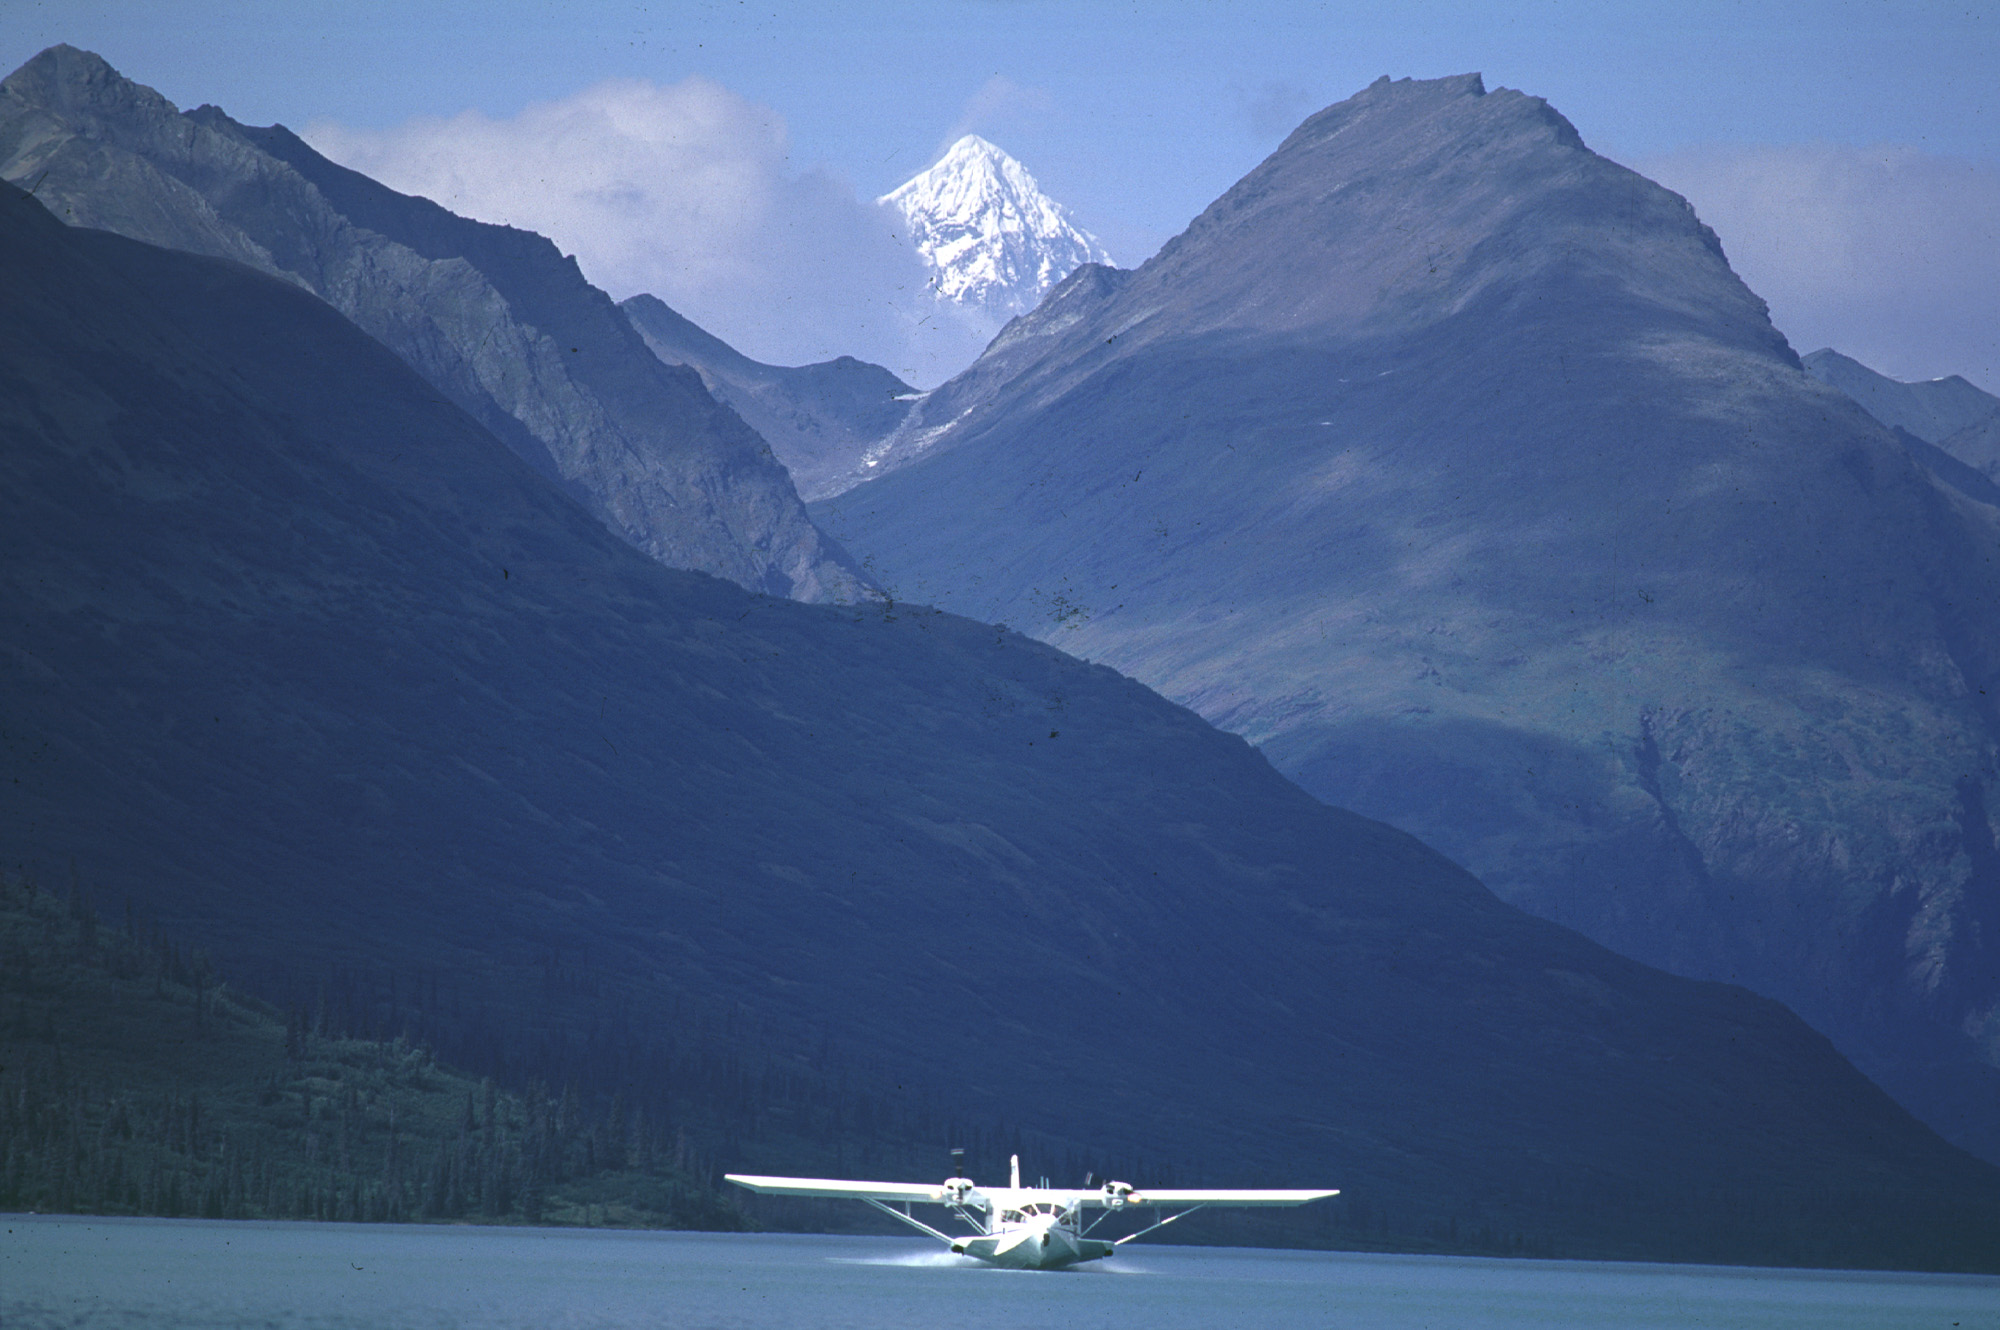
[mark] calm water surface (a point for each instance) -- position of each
(168, 1274)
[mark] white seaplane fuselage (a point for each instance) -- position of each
(1029, 1232)
(1026, 1228)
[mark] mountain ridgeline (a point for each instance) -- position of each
(1451, 464)
(1953, 427)
(496, 319)
(1933, 411)
(308, 664)
(820, 420)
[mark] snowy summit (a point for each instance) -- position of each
(993, 240)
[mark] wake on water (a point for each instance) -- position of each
(944, 1260)
(931, 1259)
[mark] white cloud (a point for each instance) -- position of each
(686, 191)
(1889, 254)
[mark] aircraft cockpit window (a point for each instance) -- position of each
(1033, 1210)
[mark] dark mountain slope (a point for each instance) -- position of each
(299, 660)
(821, 420)
(138, 1081)
(496, 319)
(1450, 463)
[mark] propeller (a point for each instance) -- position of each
(958, 1184)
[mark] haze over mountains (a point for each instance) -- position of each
(304, 661)
(1450, 463)
(496, 319)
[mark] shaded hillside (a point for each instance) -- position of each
(303, 664)
(135, 1080)
(496, 319)
(1977, 446)
(1450, 463)
(820, 420)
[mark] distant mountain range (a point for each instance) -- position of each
(497, 320)
(821, 420)
(1450, 463)
(1951, 425)
(995, 245)
(307, 663)
(1933, 411)
(993, 240)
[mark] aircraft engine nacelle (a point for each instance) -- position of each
(1116, 1193)
(958, 1187)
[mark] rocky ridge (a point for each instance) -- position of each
(820, 420)
(1933, 410)
(496, 319)
(1952, 426)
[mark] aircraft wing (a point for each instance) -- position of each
(1156, 1196)
(839, 1189)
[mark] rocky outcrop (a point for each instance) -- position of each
(496, 319)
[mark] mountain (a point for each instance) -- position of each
(820, 420)
(993, 241)
(1933, 411)
(497, 320)
(1451, 464)
(1977, 446)
(1953, 427)
(933, 417)
(138, 1081)
(305, 667)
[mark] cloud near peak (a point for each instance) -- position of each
(686, 191)
(1889, 254)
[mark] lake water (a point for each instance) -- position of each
(163, 1274)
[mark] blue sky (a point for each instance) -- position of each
(1136, 116)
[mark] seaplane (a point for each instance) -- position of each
(1022, 1228)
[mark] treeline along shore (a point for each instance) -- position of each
(136, 1079)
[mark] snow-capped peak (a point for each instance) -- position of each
(993, 240)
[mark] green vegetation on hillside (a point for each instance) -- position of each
(134, 1081)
